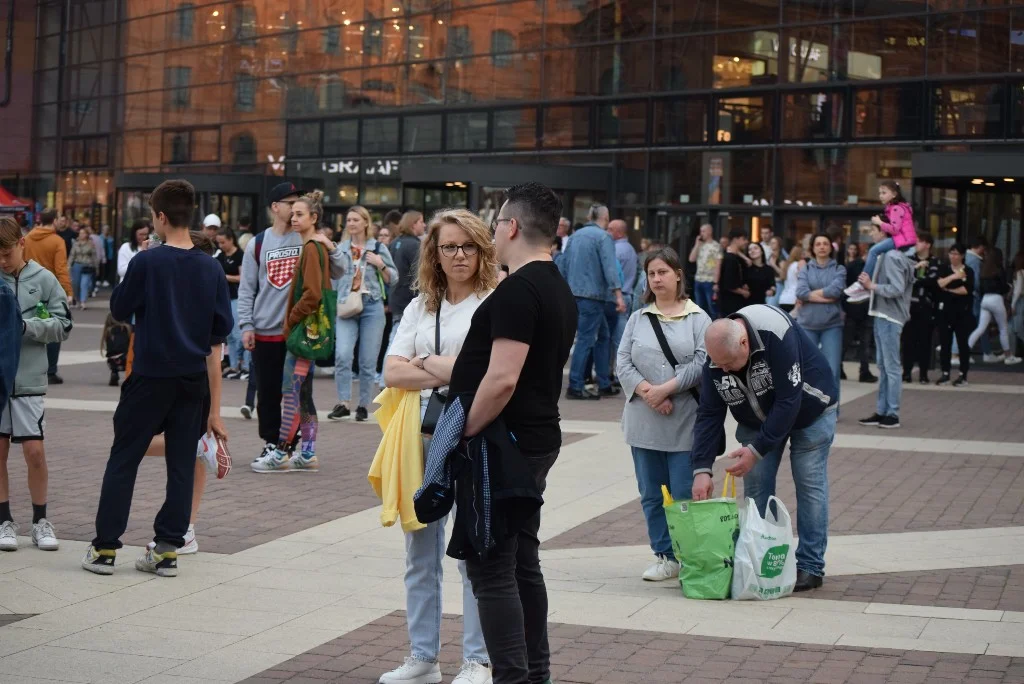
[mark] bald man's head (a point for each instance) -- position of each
(727, 344)
(617, 228)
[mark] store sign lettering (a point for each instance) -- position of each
(377, 167)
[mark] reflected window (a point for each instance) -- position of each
(680, 121)
(332, 40)
(890, 48)
(176, 147)
(244, 24)
(744, 59)
(289, 40)
(675, 178)
(184, 22)
(672, 16)
(421, 133)
(969, 43)
(245, 92)
(567, 126)
(814, 176)
(502, 42)
(380, 135)
(966, 110)
(812, 115)
(460, 45)
(467, 131)
(373, 36)
(341, 137)
(332, 94)
(515, 129)
(743, 120)
(176, 81)
(622, 124)
(893, 112)
(303, 140)
(243, 149)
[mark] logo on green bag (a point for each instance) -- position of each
(774, 560)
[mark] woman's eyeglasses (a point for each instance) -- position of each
(469, 249)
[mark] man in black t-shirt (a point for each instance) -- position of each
(513, 357)
(733, 292)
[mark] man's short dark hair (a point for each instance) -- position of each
(392, 218)
(245, 222)
(175, 199)
(537, 209)
(979, 241)
(736, 234)
(46, 218)
(925, 237)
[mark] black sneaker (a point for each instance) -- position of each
(908, 378)
(580, 395)
(889, 422)
(842, 374)
(54, 379)
(115, 379)
(961, 381)
(361, 414)
(340, 411)
(609, 391)
(868, 377)
(873, 419)
(805, 581)
(923, 380)
(944, 380)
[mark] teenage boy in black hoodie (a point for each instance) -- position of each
(168, 291)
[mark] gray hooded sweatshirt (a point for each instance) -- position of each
(894, 280)
(32, 286)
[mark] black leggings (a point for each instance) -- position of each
(961, 325)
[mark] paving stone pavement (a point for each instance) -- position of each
(946, 414)
(598, 655)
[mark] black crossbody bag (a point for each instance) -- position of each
(435, 406)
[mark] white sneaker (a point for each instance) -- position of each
(9, 536)
(268, 448)
(854, 290)
(1012, 360)
(299, 462)
(414, 671)
(662, 569)
(861, 296)
(191, 545)
(955, 361)
(44, 536)
(274, 462)
(992, 358)
(246, 411)
(473, 673)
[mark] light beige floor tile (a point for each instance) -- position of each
(934, 612)
(14, 638)
(849, 623)
(333, 583)
(974, 630)
(146, 641)
(264, 599)
(955, 646)
(339, 618)
(288, 641)
(1011, 650)
(171, 679)
(1013, 616)
(21, 597)
(71, 665)
(188, 616)
(229, 664)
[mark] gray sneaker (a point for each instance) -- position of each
(8, 536)
(44, 536)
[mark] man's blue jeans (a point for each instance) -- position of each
(890, 366)
(704, 293)
(592, 336)
(808, 453)
(654, 469)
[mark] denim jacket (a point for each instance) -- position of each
(344, 284)
(589, 264)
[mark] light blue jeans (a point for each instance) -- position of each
(368, 328)
(81, 282)
(808, 453)
(592, 336)
(878, 248)
(830, 341)
(236, 352)
(653, 469)
(890, 366)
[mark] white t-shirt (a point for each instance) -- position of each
(415, 335)
(788, 295)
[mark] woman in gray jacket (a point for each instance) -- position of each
(819, 311)
(661, 399)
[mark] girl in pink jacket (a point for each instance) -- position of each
(898, 222)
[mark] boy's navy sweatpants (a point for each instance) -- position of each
(148, 406)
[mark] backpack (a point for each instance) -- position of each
(118, 339)
(256, 254)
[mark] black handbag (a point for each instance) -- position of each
(438, 399)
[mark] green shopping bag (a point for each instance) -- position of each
(704, 537)
(313, 337)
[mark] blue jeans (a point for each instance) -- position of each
(654, 469)
(424, 550)
(878, 248)
(830, 341)
(620, 326)
(704, 294)
(592, 336)
(808, 454)
(890, 367)
(236, 352)
(81, 282)
(368, 328)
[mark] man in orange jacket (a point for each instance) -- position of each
(46, 248)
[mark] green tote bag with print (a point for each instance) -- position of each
(313, 337)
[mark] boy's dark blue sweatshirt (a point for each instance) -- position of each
(179, 298)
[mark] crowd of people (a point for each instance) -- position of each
(475, 324)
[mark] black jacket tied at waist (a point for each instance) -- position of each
(486, 477)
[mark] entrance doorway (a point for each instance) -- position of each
(996, 217)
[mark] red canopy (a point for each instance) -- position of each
(9, 201)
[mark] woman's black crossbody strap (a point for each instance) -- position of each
(665, 349)
(437, 330)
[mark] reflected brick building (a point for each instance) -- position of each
(734, 112)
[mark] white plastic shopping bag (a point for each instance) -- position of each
(765, 561)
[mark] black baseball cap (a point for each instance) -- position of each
(282, 190)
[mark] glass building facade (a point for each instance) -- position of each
(741, 113)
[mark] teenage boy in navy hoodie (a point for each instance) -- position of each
(179, 298)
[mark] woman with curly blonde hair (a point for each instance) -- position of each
(458, 270)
